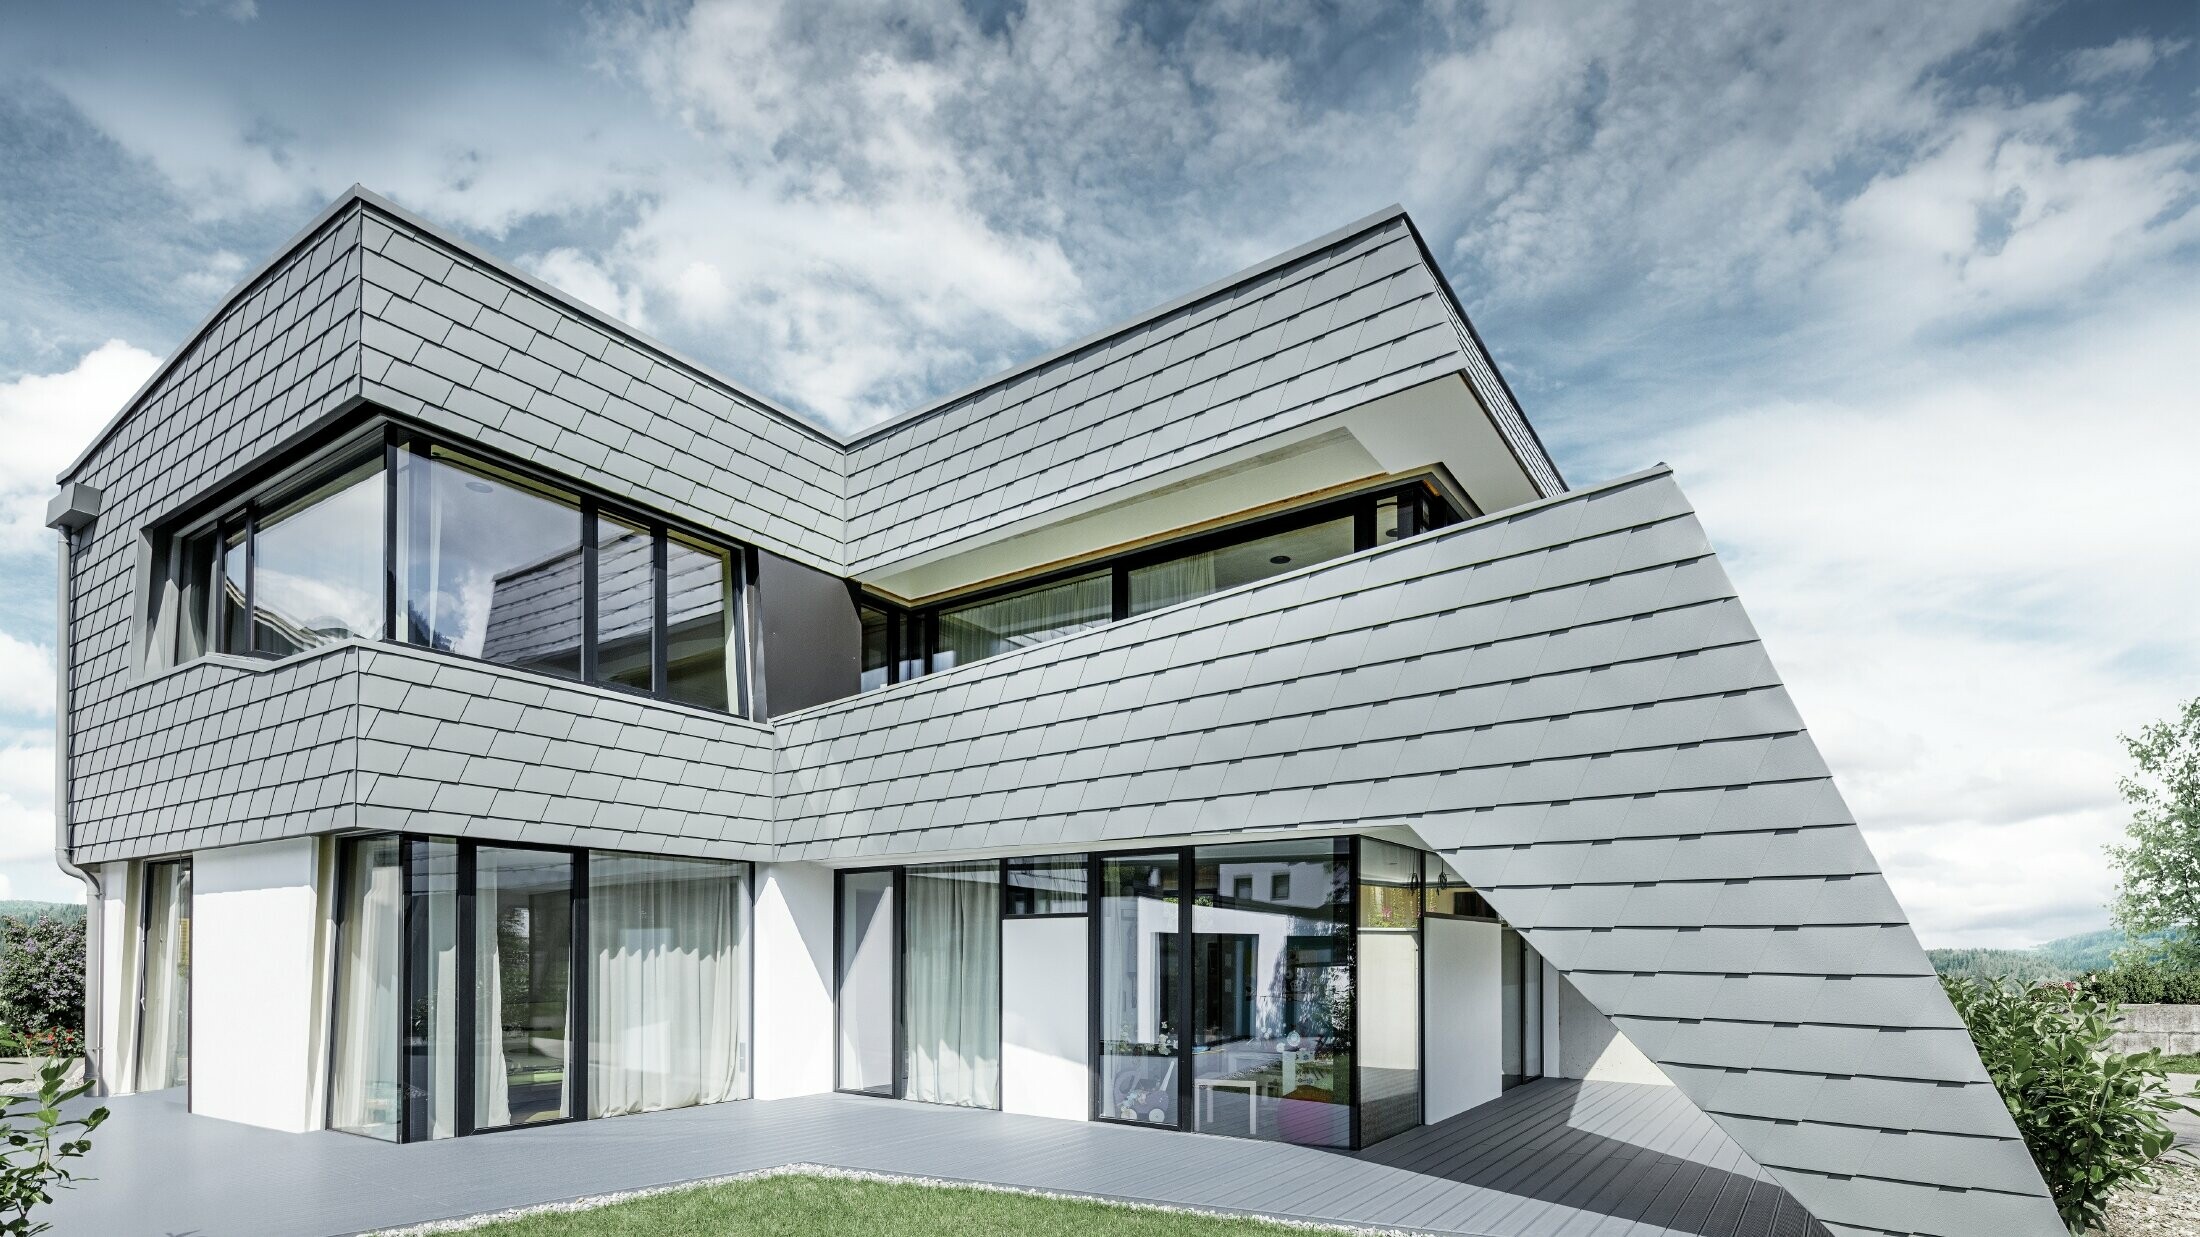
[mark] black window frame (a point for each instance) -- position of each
(415, 1104)
(395, 439)
(900, 874)
(1426, 508)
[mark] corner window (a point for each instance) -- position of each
(428, 545)
(297, 572)
(488, 564)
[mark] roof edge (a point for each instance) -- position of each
(631, 333)
(1219, 286)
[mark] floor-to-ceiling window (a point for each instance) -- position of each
(365, 1085)
(1273, 1035)
(1389, 897)
(164, 990)
(919, 983)
(668, 983)
(1138, 989)
(951, 1003)
(523, 953)
(869, 918)
(481, 987)
(1520, 970)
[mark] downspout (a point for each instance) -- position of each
(68, 516)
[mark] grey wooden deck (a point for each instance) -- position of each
(1551, 1159)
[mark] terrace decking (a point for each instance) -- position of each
(1550, 1159)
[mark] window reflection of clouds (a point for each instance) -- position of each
(474, 530)
(318, 565)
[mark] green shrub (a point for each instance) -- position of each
(35, 1147)
(2093, 1119)
(42, 975)
(2144, 983)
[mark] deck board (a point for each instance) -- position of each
(1550, 1159)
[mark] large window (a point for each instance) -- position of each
(1139, 987)
(416, 541)
(1389, 988)
(364, 1079)
(1272, 992)
(164, 984)
(901, 644)
(919, 983)
(668, 983)
(477, 989)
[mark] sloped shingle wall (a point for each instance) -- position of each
(1570, 703)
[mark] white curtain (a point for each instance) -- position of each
(667, 1012)
(952, 946)
(1165, 584)
(1024, 619)
(492, 1069)
(163, 1024)
(369, 1008)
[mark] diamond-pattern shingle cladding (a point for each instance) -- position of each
(1350, 320)
(1569, 702)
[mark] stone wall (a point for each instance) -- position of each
(2171, 1028)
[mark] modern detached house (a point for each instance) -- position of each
(477, 716)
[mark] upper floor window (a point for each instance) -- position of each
(426, 544)
(903, 644)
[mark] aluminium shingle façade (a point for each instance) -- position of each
(1565, 698)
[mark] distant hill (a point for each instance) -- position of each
(2057, 959)
(2023, 965)
(20, 908)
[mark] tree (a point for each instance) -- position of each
(2159, 869)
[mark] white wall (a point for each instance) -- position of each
(117, 995)
(1589, 1046)
(1045, 1028)
(255, 941)
(1464, 1016)
(794, 975)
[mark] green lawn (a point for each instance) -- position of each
(2188, 1063)
(802, 1206)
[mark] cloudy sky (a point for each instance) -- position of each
(1906, 293)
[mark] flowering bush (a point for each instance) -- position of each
(42, 976)
(2094, 1120)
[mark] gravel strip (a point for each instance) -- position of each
(2170, 1209)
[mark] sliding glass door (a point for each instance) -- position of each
(365, 1086)
(918, 983)
(869, 923)
(523, 950)
(1139, 990)
(668, 983)
(164, 988)
(951, 992)
(484, 987)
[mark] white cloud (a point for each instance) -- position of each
(26, 800)
(1972, 584)
(45, 420)
(26, 678)
(2127, 57)
(585, 279)
(234, 10)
